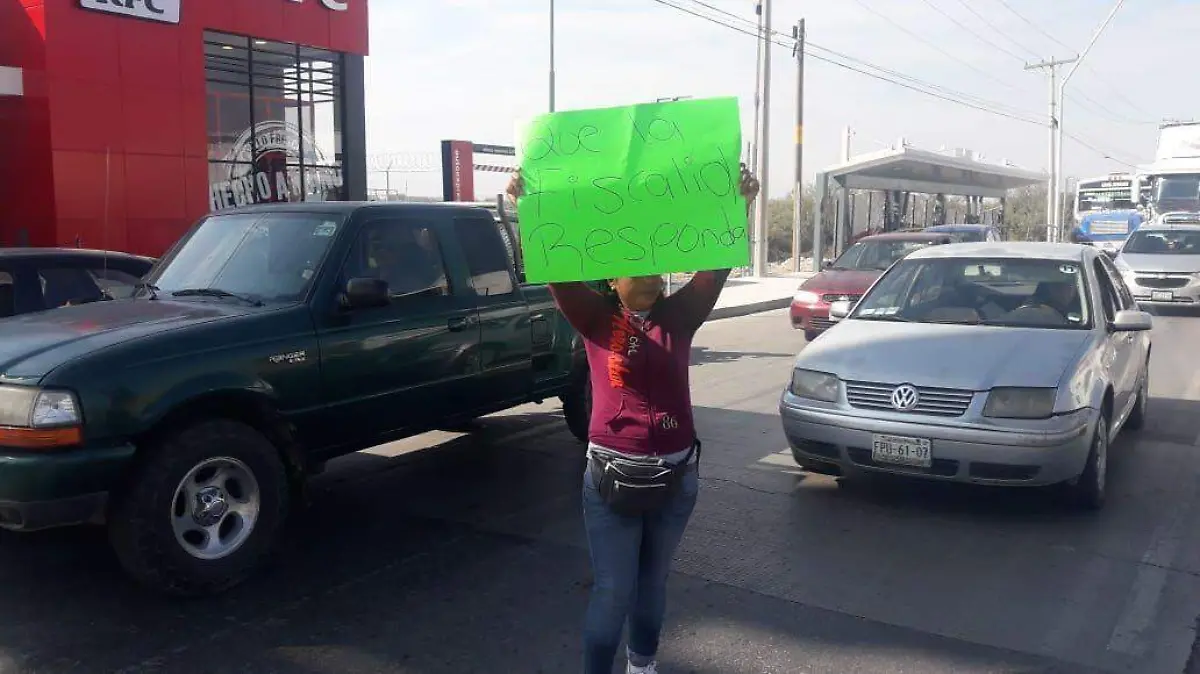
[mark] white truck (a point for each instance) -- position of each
(1169, 188)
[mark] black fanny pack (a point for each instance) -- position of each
(636, 486)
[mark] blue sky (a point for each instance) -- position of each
(471, 69)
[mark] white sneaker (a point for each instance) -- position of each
(651, 668)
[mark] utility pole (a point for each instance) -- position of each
(551, 55)
(758, 10)
(1052, 67)
(1058, 213)
(760, 216)
(798, 50)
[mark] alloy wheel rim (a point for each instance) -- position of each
(215, 508)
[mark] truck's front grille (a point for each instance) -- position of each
(942, 402)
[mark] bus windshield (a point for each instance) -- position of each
(1097, 196)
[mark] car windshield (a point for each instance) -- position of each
(1018, 292)
(1179, 193)
(876, 255)
(262, 256)
(1163, 243)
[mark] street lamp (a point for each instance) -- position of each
(1058, 206)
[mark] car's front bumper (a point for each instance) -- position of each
(1163, 289)
(811, 317)
(44, 489)
(961, 452)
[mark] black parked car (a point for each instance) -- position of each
(35, 279)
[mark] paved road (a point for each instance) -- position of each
(452, 553)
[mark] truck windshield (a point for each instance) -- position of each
(267, 257)
(1176, 242)
(1178, 193)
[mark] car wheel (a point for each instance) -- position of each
(1137, 416)
(203, 510)
(1089, 490)
(577, 406)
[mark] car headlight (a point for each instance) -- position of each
(806, 297)
(28, 407)
(815, 385)
(1020, 403)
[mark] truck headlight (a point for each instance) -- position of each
(814, 385)
(1020, 403)
(37, 418)
(806, 297)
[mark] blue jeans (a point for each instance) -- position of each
(631, 559)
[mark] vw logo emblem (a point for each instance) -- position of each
(905, 397)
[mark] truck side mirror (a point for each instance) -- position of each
(366, 293)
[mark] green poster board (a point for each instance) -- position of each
(633, 191)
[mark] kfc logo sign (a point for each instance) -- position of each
(163, 11)
(333, 5)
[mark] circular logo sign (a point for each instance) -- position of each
(905, 397)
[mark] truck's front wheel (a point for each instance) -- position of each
(203, 509)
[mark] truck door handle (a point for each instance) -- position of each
(457, 324)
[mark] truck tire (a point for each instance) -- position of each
(203, 510)
(577, 407)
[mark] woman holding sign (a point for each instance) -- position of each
(641, 481)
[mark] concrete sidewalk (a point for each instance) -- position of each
(749, 295)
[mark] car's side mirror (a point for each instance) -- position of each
(840, 309)
(1130, 320)
(366, 293)
(826, 264)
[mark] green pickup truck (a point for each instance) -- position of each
(264, 343)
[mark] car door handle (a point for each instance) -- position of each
(458, 324)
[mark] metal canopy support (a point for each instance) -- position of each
(820, 187)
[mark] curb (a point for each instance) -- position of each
(748, 309)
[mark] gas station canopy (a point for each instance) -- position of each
(908, 169)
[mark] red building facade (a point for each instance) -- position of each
(136, 117)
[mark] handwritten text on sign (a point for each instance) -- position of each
(633, 191)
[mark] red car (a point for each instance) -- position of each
(849, 276)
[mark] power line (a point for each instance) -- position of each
(919, 38)
(1034, 25)
(970, 30)
(929, 89)
(1102, 153)
(993, 26)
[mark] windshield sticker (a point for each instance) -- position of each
(868, 312)
(1075, 318)
(889, 311)
(307, 274)
(1069, 269)
(325, 229)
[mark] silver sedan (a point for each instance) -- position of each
(993, 363)
(1161, 265)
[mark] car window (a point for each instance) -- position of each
(1114, 277)
(876, 255)
(487, 256)
(1109, 299)
(63, 286)
(8, 299)
(404, 253)
(115, 283)
(269, 256)
(1017, 292)
(1163, 242)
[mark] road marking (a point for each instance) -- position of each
(1141, 606)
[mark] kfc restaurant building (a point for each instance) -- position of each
(123, 121)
